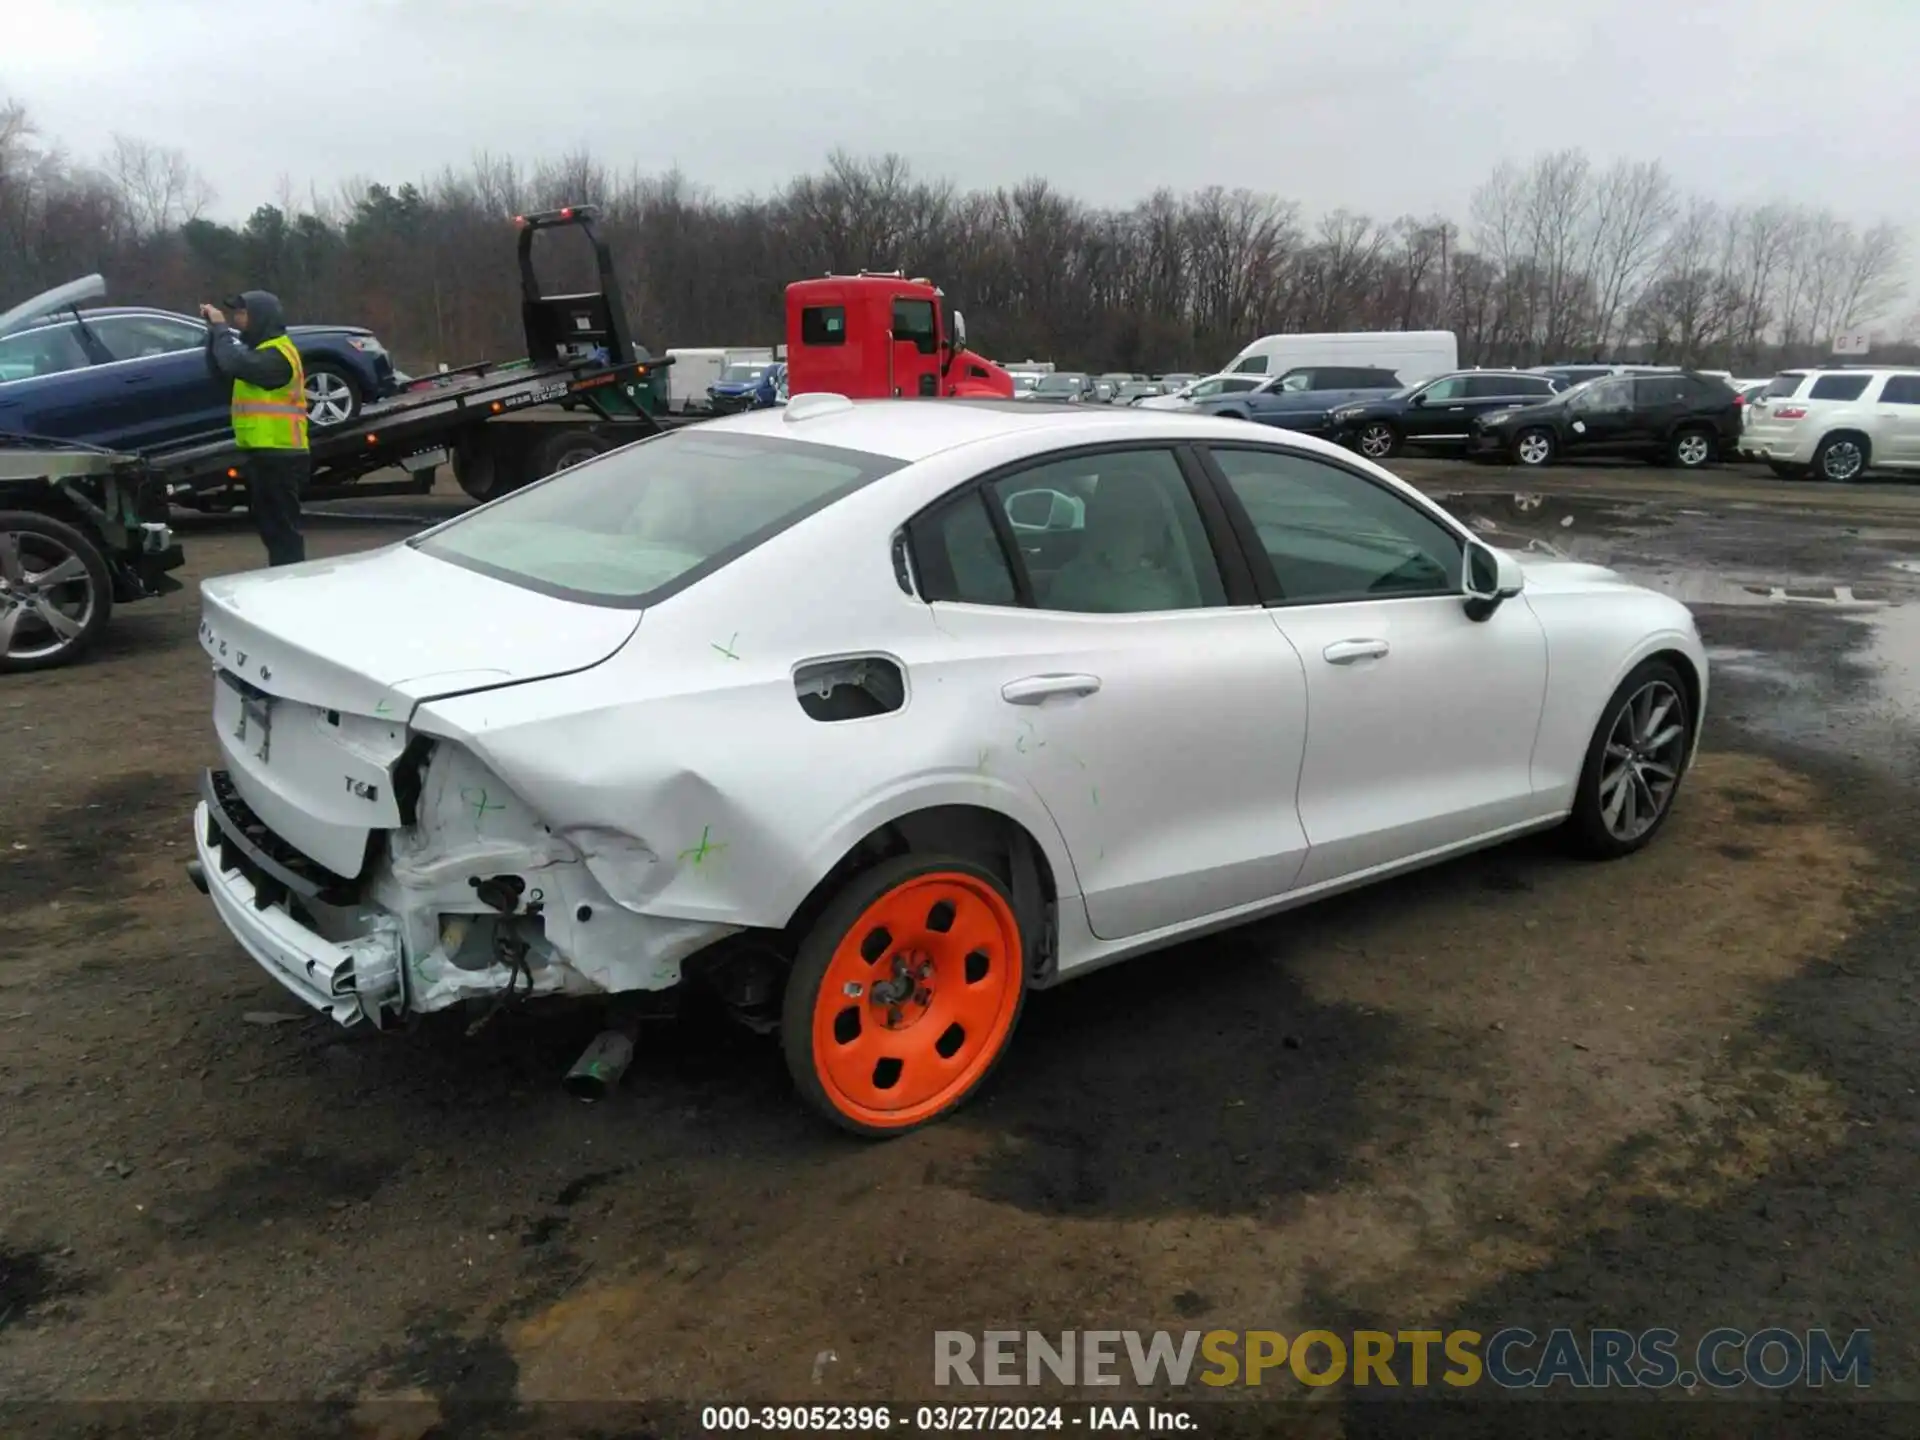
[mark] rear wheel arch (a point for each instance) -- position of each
(1836, 436)
(990, 838)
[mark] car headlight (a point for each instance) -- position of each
(367, 344)
(1347, 412)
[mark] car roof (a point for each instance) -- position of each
(914, 429)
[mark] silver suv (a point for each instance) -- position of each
(1835, 423)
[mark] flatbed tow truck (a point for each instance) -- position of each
(580, 358)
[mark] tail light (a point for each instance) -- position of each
(1739, 400)
(1790, 412)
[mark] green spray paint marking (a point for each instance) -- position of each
(699, 852)
(477, 798)
(382, 707)
(727, 649)
(982, 763)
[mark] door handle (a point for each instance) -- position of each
(1034, 689)
(1345, 652)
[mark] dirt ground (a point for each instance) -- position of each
(1516, 1089)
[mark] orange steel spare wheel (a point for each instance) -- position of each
(917, 1000)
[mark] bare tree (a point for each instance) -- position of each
(156, 184)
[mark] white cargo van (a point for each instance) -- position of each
(1414, 355)
(694, 370)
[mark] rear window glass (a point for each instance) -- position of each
(1839, 387)
(634, 525)
(1783, 386)
(1901, 390)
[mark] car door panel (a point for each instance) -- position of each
(1167, 754)
(1421, 722)
(1161, 727)
(1420, 727)
(162, 389)
(53, 392)
(1443, 413)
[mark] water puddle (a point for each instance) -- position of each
(1708, 587)
(1893, 652)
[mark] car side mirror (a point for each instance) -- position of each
(959, 331)
(1491, 578)
(1418, 400)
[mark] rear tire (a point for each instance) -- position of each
(904, 994)
(1842, 458)
(564, 449)
(1691, 449)
(477, 471)
(56, 594)
(1635, 763)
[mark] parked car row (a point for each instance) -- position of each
(1830, 423)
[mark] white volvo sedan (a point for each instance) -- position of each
(874, 717)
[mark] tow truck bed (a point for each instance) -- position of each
(423, 426)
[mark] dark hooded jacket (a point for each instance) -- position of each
(235, 354)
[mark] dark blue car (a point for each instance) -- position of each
(132, 378)
(746, 385)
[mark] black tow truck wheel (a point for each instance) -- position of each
(55, 591)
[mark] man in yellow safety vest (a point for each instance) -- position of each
(247, 342)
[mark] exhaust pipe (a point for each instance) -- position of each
(600, 1066)
(197, 873)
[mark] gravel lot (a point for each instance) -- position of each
(1515, 1089)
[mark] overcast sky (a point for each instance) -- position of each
(1383, 106)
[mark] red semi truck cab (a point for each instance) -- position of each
(876, 336)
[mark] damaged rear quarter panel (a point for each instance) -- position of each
(685, 770)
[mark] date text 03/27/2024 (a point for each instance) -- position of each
(946, 1419)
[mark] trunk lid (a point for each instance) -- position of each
(319, 667)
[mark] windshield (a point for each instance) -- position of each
(742, 374)
(1061, 384)
(1298, 380)
(1025, 382)
(659, 514)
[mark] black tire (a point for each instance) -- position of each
(1589, 827)
(1378, 440)
(1842, 458)
(564, 449)
(1786, 471)
(476, 469)
(848, 935)
(329, 387)
(1534, 448)
(1692, 448)
(42, 545)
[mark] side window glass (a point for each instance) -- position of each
(50, 351)
(1332, 535)
(1121, 534)
(823, 325)
(959, 556)
(1901, 390)
(1660, 390)
(1253, 365)
(138, 337)
(1838, 387)
(1443, 390)
(1235, 386)
(913, 321)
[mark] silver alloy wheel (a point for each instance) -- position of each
(1535, 448)
(1646, 746)
(1693, 449)
(1376, 441)
(46, 596)
(329, 399)
(1843, 460)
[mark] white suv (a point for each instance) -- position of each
(1835, 424)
